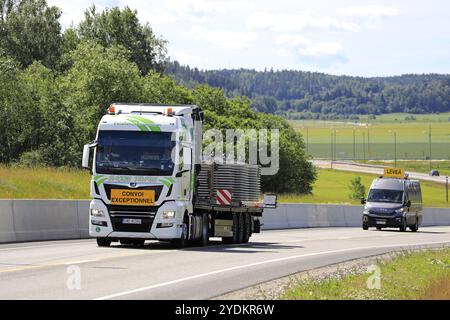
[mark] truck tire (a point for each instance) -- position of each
(103, 242)
(235, 238)
(365, 227)
(247, 227)
(182, 242)
(204, 240)
(241, 227)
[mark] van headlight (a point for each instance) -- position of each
(168, 214)
(97, 213)
(401, 210)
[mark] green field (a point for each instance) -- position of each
(417, 166)
(332, 187)
(384, 138)
(45, 183)
(412, 275)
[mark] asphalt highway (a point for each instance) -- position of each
(78, 269)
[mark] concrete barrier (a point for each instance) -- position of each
(7, 233)
(34, 220)
(45, 219)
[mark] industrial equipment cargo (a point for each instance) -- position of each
(150, 181)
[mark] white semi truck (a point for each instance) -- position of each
(149, 181)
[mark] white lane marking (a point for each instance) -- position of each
(159, 285)
(48, 245)
(78, 262)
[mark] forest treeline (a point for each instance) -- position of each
(56, 84)
(296, 93)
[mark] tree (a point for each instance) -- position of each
(29, 31)
(99, 76)
(115, 27)
(357, 189)
(12, 98)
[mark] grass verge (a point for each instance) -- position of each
(410, 275)
(332, 187)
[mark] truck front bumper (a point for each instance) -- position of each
(150, 227)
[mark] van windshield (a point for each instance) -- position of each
(135, 153)
(382, 195)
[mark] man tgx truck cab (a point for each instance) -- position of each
(150, 181)
(393, 201)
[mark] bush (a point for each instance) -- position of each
(357, 189)
(32, 159)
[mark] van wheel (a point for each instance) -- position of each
(379, 228)
(365, 227)
(404, 226)
(103, 242)
(415, 227)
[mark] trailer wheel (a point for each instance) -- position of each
(103, 242)
(235, 238)
(241, 227)
(247, 227)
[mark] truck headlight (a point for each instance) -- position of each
(97, 213)
(168, 214)
(401, 210)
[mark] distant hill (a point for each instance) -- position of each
(299, 93)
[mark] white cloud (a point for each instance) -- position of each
(280, 22)
(323, 53)
(225, 39)
(370, 15)
(185, 57)
(368, 11)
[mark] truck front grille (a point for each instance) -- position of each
(145, 226)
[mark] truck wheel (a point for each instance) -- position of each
(235, 238)
(241, 227)
(204, 240)
(379, 228)
(103, 242)
(247, 227)
(182, 242)
(365, 227)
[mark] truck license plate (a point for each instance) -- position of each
(131, 221)
(125, 197)
(381, 221)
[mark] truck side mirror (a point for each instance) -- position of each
(187, 159)
(363, 201)
(86, 153)
(270, 201)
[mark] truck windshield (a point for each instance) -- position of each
(382, 195)
(135, 153)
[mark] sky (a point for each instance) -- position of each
(351, 37)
